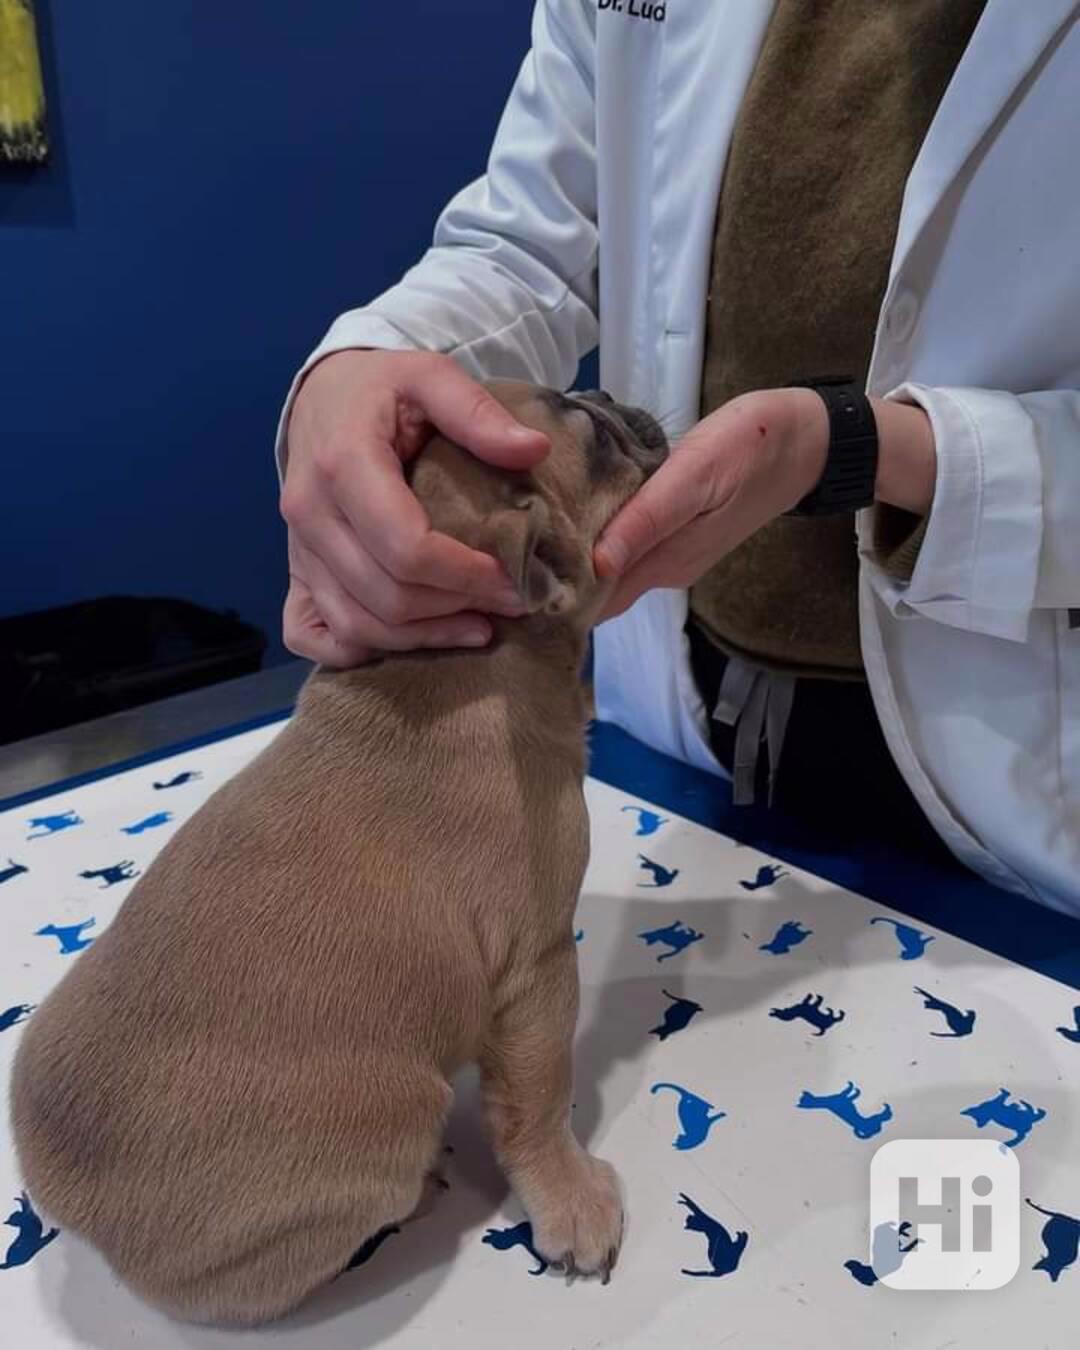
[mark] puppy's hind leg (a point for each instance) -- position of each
(572, 1199)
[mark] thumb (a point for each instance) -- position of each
(654, 513)
(465, 412)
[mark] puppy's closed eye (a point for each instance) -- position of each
(603, 432)
(604, 446)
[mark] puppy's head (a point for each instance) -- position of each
(542, 525)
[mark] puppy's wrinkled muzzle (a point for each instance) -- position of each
(643, 436)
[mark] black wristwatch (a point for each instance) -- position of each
(851, 465)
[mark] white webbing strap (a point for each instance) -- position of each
(757, 703)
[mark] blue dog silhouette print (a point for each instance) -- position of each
(30, 1235)
(11, 871)
(788, 935)
(661, 876)
(41, 826)
(677, 1016)
(190, 776)
(1061, 1238)
(150, 823)
(810, 1010)
(1072, 1033)
(1018, 1116)
(364, 1253)
(676, 936)
(521, 1235)
(724, 1252)
(766, 876)
(11, 1017)
(648, 821)
(114, 875)
(862, 1272)
(912, 942)
(887, 1253)
(842, 1105)
(959, 1023)
(70, 936)
(696, 1116)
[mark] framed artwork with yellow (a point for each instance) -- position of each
(23, 137)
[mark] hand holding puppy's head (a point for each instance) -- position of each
(542, 524)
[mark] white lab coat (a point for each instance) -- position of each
(626, 121)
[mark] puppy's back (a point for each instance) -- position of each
(247, 1064)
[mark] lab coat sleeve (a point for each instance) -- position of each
(509, 286)
(1003, 535)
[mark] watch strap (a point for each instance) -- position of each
(850, 474)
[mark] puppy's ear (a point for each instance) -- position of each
(521, 537)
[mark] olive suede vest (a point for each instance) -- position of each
(837, 107)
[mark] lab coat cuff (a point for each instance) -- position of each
(978, 566)
(359, 328)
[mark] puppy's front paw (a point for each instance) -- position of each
(577, 1217)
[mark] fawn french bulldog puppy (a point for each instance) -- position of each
(247, 1076)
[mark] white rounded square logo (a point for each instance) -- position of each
(944, 1214)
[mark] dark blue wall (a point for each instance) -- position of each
(227, 176)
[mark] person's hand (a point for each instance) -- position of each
(745, 464)
(367, 573)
